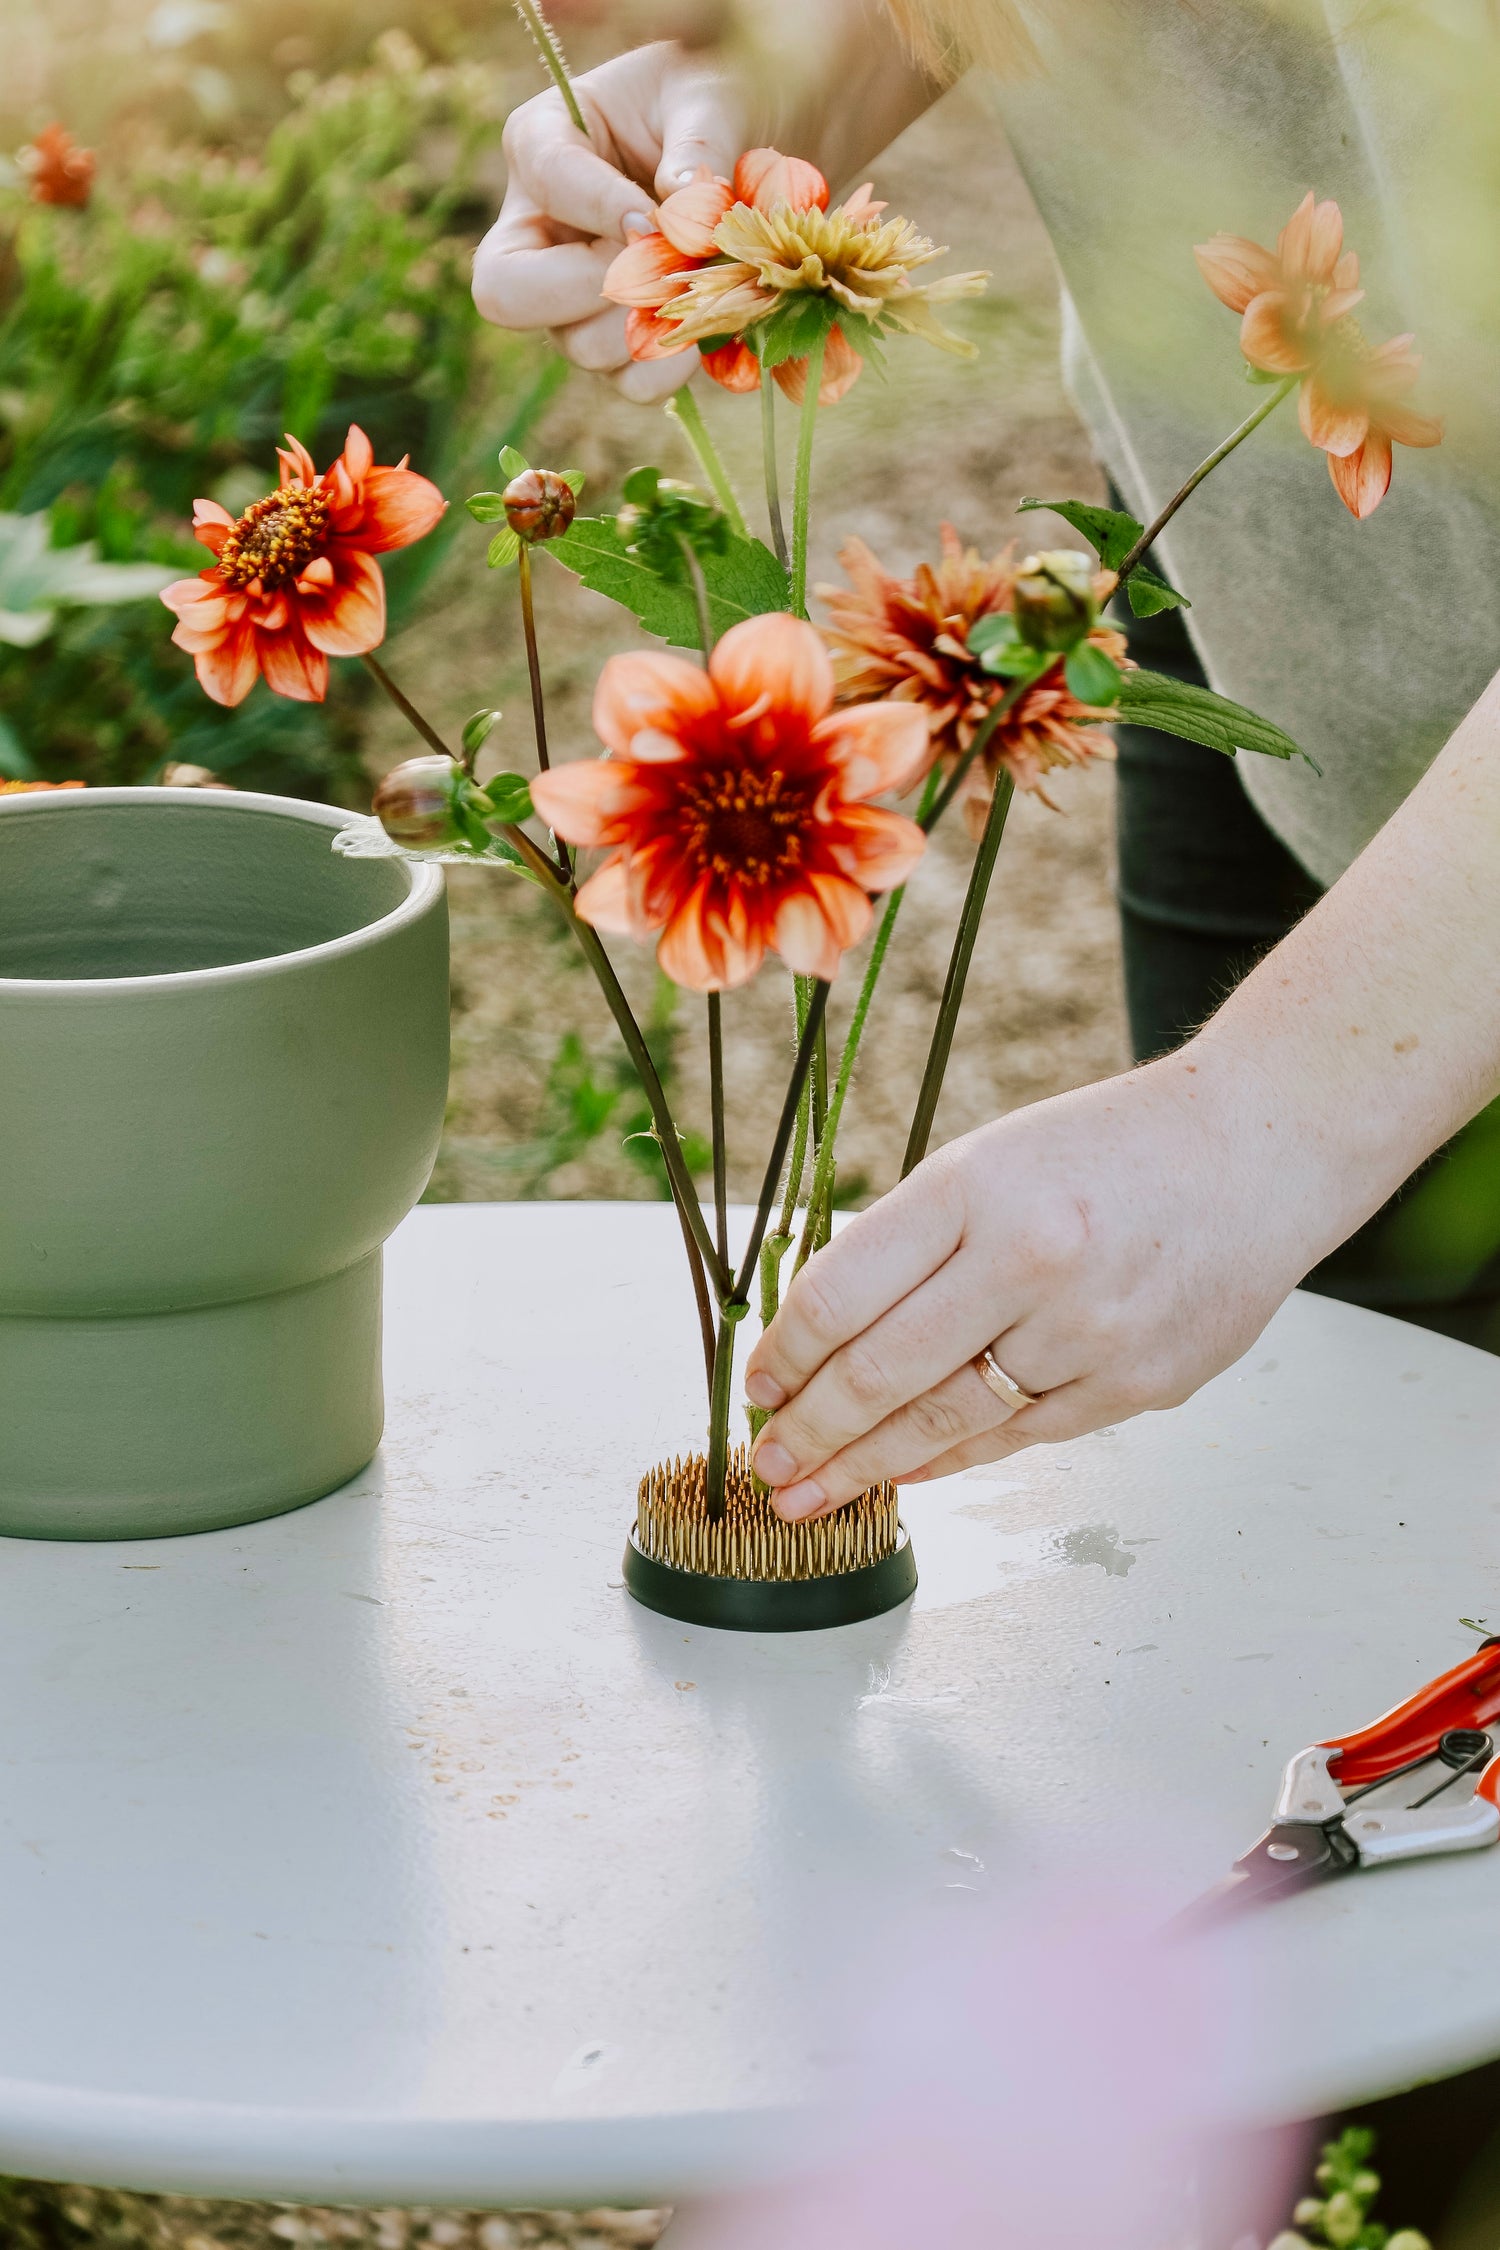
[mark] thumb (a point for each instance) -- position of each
(702, 123)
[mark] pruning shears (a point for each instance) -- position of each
(1328, 1822)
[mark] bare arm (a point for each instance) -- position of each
(654, 117)
(1120, 1245)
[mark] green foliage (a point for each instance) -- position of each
(588, 1094)
(37, 580)
(1154, 699)
(745, 580)
(1112, 534)
(1340, 2214)
(661, 516)
(1091, 675)
(157, 345)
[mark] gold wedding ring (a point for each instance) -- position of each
(1005, 1387)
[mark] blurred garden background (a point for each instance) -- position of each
(278, 237)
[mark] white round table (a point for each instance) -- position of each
(388, 1852)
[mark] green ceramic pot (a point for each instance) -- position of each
(223, 1063)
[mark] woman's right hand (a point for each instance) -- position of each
(654, 117)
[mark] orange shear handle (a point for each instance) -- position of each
(1468, 1696)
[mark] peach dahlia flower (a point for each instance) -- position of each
(735, 806)
(731, 252)
(295, 580)
(58, 170)
(908, 639)
(1295, 305)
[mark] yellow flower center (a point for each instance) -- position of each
(745, 824)
(276, 539)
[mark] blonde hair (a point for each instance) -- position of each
(946, 36)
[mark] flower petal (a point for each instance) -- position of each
(296, 462)
(733, 366)
(764, 177)
(648, 271)
(348, 618)
(358, 455)
(877, 746)
(230, 669)
(689, 216)
(1407, 428)
(582, 802)
(1310, 242)
(861, 206)
(817, 922)
(1268, 338)
(603, 901)
(1363, 479)
(842, 368)
(778, 663)
(397, 507)
(1236, 269)
(211, 524)
(876, 849)
(1334, 425)
(646, 688)
(646, 337)
(692, 951)
(292, 667)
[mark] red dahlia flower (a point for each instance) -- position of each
(295, 580)
(735, 806)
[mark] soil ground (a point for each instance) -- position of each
(938, 440)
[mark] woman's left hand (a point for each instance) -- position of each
(1116, 1247)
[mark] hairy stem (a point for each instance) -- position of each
(686, 412)
(802, 480)
(957, 977)
(768, 465)
(550, 50)
(716, 1108)
(800, 1068)
(538, 701)
(1159, 523)
(700, 595)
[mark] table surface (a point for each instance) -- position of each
(388, 1852)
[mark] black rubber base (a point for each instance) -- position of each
(772, 1605)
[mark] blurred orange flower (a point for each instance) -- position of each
(58, 169)
(24, 788)
(295, 580)
(908, 639)
(1295, 305)
(735, 805)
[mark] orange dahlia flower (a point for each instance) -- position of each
(1295, 305)
(26, 788)
(735, 806)
(908, 639)
(295, 579)
(58, 169)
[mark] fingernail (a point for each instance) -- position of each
(798, 1500)
(637, 222)
(764, 1390)
(686, 176)
(773, 1463)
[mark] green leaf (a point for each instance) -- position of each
(574, 479)
(795, 327)
(744, 581)
(1112, 534)
(486, 507)
(997, 630)
(1091, 675)
(1001, 650)
(513, 463)
(640, 487)
(477, 730)
(1152, 699)
(503, 548)
(510, 797)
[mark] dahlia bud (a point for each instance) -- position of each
(1286, 2240)
(1309, 2212)
(418, 805)
(1407, 2238)
(539, 504)
(1056, 599)
(1343, 2219)
(661, 513)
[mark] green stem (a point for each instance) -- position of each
(716, 1110)
(800, 1068)
(1204, 468)
(549, 49)
(768, 465)
(560, 892)
(958, 971)
(700, 595)
(720, 1399)
(685, 410)
(802, 480)
(538, 703)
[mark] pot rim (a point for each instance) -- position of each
(424, 885)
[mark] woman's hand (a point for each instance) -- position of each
(1116, 1247)
(655, 116)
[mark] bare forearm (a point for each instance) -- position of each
(1372, 1032)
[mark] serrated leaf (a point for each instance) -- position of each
(1196, 714)
(744, 581)
(1091, 676)
(510, 797)
(795, 327)
(503, 548)
(486, 507)
(513, 463)
(1112, 533)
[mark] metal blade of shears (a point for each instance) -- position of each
(1292, 1856)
